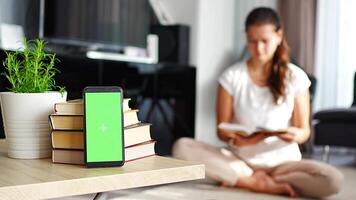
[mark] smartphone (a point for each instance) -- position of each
(103, 126)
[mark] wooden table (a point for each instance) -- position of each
(40, 179)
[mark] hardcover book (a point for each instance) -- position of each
(134, 152)
(71, 139)
(75, 122)
(76, 107)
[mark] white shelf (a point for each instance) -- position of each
(152, 53)
(42, 179)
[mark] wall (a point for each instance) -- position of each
(215, 52)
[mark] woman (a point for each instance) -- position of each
(264, 91)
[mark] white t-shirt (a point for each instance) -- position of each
(254, 107)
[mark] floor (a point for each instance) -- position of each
(343, 158)
(204, 191)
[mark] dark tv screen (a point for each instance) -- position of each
(105, 22)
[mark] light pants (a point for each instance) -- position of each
(309, 178)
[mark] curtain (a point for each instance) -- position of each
(298, 18)
(335, 63)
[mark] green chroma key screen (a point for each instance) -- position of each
(103, 113)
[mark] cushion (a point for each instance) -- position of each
(337, 114)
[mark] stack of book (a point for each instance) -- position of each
(68, 136)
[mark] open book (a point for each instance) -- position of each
(245, 130)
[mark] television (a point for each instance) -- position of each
(95, 23)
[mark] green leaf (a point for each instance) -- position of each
(31, 70)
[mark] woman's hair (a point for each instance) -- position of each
(280, 60)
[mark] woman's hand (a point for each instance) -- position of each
(289, 134)
(255, 138)
(287, 137)
(235, 138)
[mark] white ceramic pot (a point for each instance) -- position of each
(26, 124)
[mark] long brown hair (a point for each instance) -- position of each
(279, 66)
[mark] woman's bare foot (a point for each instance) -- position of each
(267, 184)
(260, 181)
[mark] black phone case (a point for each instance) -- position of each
(109, 163)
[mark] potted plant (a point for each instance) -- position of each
(26, 107)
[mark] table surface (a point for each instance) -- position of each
(40, 178)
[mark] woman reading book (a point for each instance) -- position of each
(264, 91)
